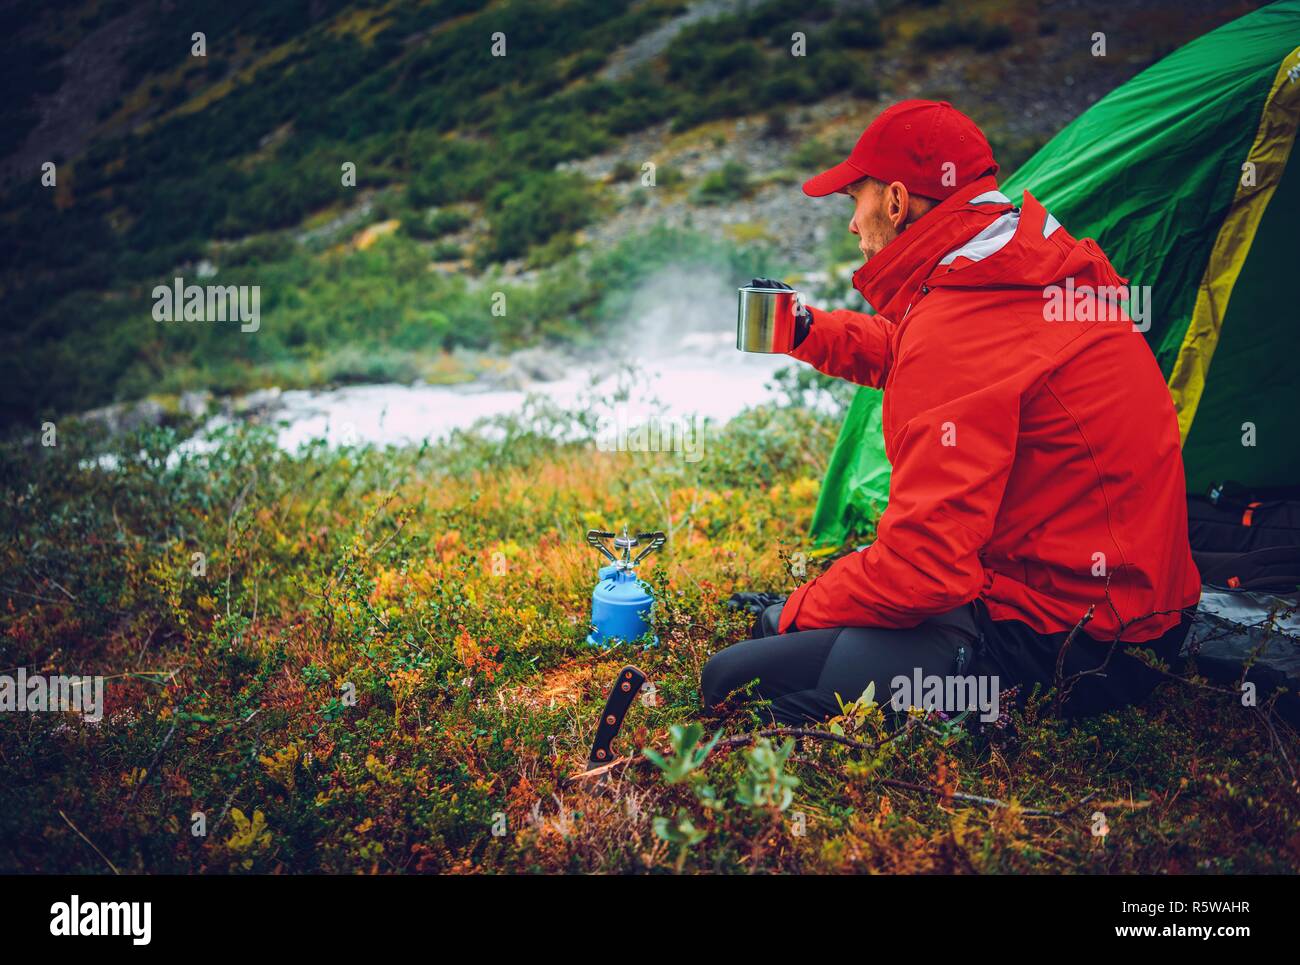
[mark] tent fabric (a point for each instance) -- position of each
(1262, 174)
(1252, 387)
(856, 487)
(1156, 173)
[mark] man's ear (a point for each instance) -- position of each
(898, 202)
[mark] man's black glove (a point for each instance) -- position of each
(802, 317)
(754, 602)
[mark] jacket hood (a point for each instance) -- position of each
(977, 239)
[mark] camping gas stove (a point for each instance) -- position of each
(621, 602)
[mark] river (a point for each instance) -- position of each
(701, 376)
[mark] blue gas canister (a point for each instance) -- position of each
(621, 603)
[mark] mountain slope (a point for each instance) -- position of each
(490, 168)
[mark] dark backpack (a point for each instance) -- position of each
(1246, 540)
(1247, 546)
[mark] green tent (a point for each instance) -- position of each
(1185, 177)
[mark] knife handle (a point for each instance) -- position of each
(628, 684)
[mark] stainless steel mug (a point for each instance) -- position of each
(765, 320)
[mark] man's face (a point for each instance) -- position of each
(871, 221)
(879, 215)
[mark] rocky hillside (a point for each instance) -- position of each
(379, 169)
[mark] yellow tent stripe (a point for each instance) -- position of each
(1265, 162)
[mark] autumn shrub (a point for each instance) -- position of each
(374, 660)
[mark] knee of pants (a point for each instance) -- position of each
(719, 678)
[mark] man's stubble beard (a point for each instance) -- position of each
(879, 234)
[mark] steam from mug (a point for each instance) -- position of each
(765, 320)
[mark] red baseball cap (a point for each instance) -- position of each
(930, 146)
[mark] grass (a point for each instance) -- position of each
(380, 667)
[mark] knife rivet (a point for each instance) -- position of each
(626, 687)
(611, 720)
(600, 754)
(628, 675)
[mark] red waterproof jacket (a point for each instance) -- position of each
(1036, 462)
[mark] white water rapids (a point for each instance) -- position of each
(679, 343)
(708, 379)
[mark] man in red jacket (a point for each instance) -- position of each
(1037, 473)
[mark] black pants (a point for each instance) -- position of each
(800, 673)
